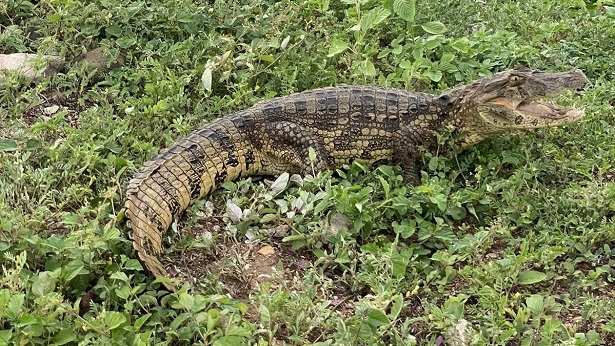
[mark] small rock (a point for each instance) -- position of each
(340, 221)
(100, 61)
(32, 66)
(266, 250)
(459, 334)
(279, 231)
(51, 109)
(303, 263)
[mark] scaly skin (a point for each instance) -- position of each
(341, 124)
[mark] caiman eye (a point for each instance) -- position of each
(515, 80)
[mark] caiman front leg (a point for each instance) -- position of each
(290, 144)
(408, 149)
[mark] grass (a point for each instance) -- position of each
(513, 238)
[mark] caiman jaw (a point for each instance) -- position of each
(512, 100)
(547, 112)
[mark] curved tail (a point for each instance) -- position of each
(191, 168)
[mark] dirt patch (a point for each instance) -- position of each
(458, 285)
(55, 226)
(497, 250)
(244, 267)
(53, 104)
(238, 267)
(415, 309)
(572, 316)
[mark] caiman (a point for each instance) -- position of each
(340, 124)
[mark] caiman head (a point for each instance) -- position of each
(511, 100)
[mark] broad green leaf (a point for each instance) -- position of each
(445, 234)
(5, 296)
(435, 76)
(185, 301)
(405, 64)
(55, 17)
(297, 179)
(179, 320)
(368, 68)
(385, 186)
(406, 9)
(114, 319)
(552, 326)
(265, 316)
(280, 183)
(531, 277)
(337, 46)
(113, 147)
(111, 233)
(233, 211)
(200, 303)
(293, 237)
(267, 58)
(435, 28)
(15, 304)
(5, 336)
(268, 218)
(237, 331)
(133, 264)
(284, 43)
(33, 144)
(447, 57)
(206, 79)
(64, 337)
(359, 207)
(123, 292)
(439, 200)
(31, 325)
(458, 213)
(399, 264)
(230, 186)
(434, 163)
(376, 318)
(125, 42)
(120, 163)
(72, 269)
(373, 17)
(114, 30)
(447, 67)
(27, 320)
(140, 321)
(229, 340)
(535, 303)
(404, 229)
(43, 284)
(312, 154)
(8, 145)
(430, 44)
(396, 306)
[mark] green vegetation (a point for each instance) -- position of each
(514, 237)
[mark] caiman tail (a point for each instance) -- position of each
(191, 168)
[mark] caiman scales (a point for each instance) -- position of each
(340, 124)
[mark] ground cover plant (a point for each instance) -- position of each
(510, 242)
